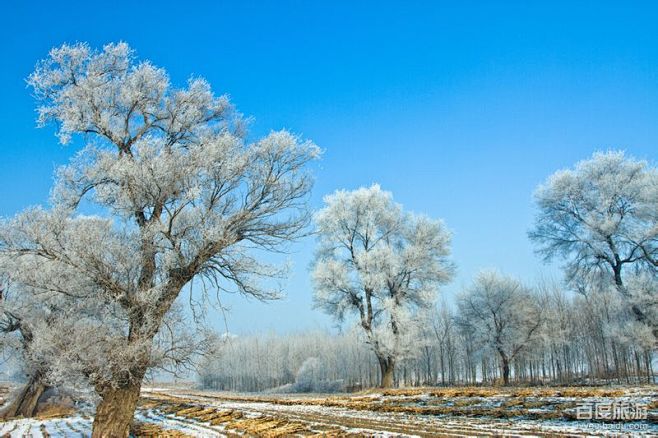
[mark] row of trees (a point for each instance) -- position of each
(272, 362)
(168, 193)
(384, 266)
(499, 332)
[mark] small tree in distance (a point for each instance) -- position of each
(184, 197)
(381, 264)
(502, 314)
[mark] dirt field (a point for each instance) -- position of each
(425, 412)
(418, 412)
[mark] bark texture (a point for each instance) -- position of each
(114, 414)
(26, 403)
(505, 372)
(387, 367)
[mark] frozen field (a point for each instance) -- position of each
(427, 412)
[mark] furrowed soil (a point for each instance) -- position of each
(423, 412)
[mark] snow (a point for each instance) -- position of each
(56, 427)
(459, 425)
(171, 422)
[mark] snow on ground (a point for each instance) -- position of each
(56, 428)
(72, 427)
(321, 414)
(448, 422)
(196, 414)
(171, 422)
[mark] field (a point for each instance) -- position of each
(423, 412)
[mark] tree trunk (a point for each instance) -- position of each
(25, 404)
(114, 414)
(443, 372)
(505, 371)
(387, 367)
(639, 313)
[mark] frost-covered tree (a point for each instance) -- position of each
(442, 328)
(582, 338)
(182, 196)
(309, 361)
(382, 264)
(17, 318)
(503, 315)
(602, 218)
(559, 332)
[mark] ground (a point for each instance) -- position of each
(423, 412)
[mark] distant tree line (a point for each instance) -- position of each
(380, 268)
(578, 339)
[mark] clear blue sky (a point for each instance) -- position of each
(460, 111)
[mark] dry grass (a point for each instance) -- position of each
(267, 427)
(144, 430)
(275, 427)
(465, 391)
(229, 419)
(463, 404)
(50, 410)
(475, 391)
(471, 402)
(460, 403)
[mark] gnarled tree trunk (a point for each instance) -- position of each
(387, 367)
(114, 414)
(25, 404)
(505, 372)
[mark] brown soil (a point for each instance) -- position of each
(426, 412)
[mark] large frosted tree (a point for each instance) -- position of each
(383, 265)
(180, 195)
(601, 218)
(502, 314)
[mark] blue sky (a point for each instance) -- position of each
(460, 109)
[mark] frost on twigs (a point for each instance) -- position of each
(380, 264)
(183, 196)
(601, 217)
(311, 377)
(501, 315)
